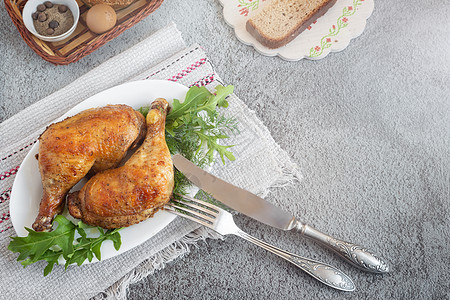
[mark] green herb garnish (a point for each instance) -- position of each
(50, 246)
(194, 129)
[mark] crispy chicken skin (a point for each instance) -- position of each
(92, 141)
(135, 191)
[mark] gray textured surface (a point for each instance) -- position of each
(369, 126)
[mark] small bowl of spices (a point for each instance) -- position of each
(51, 21)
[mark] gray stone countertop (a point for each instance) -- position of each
(369, 127)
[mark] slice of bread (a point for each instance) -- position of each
(281, 21)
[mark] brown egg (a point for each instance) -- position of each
(101, 18)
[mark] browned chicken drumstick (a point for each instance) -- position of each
(92, 141)
(135, 191)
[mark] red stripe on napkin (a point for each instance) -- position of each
(9, 173)
(188, 70)
(5, 195)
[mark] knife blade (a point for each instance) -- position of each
(259, 209)
(248, 203)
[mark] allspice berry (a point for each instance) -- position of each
(41, 7)
(42, 17)
(53, 24)
(62, 8)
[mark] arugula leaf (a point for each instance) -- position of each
(52, 259)
(114, 236)
(194, 96)
(35, 245)
(50, 246)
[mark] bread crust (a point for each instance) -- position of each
(274, 43)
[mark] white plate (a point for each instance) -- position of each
(330, 33)
(27, 189)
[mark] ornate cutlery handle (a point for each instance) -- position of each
(357, 255)
(326, 274)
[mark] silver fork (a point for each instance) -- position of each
(222, 222)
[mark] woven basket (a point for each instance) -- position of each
(82, 42)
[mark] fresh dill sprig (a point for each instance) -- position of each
(197, 129)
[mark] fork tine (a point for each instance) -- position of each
(172, 209)
(197, 207)
(212, 206)
(200, 215)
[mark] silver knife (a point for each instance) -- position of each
(265, 212)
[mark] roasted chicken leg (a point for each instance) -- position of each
(91, 141)
(135, 191)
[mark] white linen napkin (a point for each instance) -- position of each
(260, 164)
